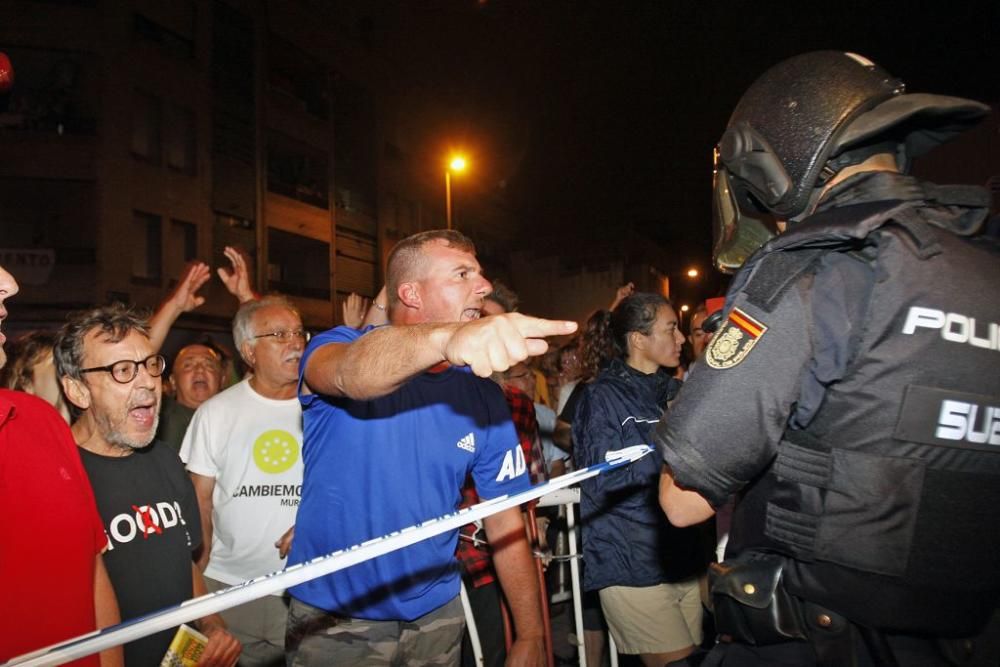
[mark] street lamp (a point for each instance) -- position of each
(457, 164)
(692, 273)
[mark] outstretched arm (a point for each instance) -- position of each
(183, 299)
(382, 360)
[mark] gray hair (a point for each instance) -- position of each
(116, 322)
(244, 316)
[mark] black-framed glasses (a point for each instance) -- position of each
(287, 336)
(124, 371)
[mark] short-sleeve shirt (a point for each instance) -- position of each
(147, 503)
(374, 467)
(251, 446)
(50, 526)
(725, 426)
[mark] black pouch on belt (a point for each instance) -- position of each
(750, 603)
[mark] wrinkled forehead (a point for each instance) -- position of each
(269, 317)
(101, 349)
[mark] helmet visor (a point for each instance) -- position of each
(736, 234)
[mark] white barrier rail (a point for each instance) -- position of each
(267, 584)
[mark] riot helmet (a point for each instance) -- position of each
(803, 121)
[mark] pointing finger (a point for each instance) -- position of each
(536, 327)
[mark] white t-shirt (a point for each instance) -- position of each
(252, 446)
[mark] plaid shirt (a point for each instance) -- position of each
(472, 551)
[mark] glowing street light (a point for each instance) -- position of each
(692, 273)
(456, 164)
(685, 308)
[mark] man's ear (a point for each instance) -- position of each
(247, 352)
(76, 391)
(409, 295)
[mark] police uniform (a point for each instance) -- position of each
(851, 401)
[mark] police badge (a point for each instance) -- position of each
(734, 341)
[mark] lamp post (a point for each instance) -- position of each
(456, 165)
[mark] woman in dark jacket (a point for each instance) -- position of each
(645, 570)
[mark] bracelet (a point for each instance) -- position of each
(379, 306)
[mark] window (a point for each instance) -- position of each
(354, 147)
(186, 236)
(298, 265)
(178, 41)
(146, 262)
(297, 171)
(180, 145)
(181, 247)
(146, 125)
(55, 92)
(296, 79)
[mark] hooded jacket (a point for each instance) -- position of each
(627, 541)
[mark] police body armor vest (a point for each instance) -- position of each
(889, 501)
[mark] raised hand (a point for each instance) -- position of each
(354, 308)
(185, 297)
(623, 292)
(236, 278)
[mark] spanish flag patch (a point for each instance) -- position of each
(731, 344)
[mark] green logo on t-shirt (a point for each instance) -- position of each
(275, 451)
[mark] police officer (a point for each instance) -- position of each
(851, 399)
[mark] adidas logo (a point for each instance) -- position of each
(468, 443)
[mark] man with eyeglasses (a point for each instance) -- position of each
(109, 370)
(53, 536)
(243, 451)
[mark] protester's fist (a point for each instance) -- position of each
(496, 343)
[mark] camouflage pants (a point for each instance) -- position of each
(316, 637)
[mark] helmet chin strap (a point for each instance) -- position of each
(841, 169)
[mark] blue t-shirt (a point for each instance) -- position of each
(373, 467)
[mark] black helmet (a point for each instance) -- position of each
(800, 123)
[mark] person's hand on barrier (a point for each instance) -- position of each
(284, 543)
(498, 342)
(527, 652)
(222, 650)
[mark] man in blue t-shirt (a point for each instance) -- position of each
(394, 418)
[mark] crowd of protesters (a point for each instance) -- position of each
(178, 454)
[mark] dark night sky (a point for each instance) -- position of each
(588, 114)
